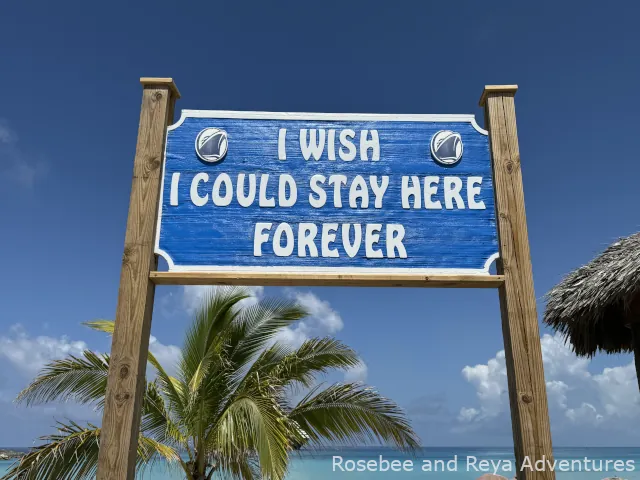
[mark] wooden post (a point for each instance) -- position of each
(527, 391)
(126, 381)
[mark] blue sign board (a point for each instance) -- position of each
(341, 193)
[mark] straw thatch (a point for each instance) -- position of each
(591, 305)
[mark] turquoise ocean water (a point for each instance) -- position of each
(454, 464)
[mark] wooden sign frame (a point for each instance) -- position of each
(139, 275)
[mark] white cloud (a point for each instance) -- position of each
(16, 165)
(357, 374)
(490, 381)
(22, 356)
(585, 414)
(322, 320)
(557, 393)
(559, 360)
(194, 295)
(167, 355)
(603, 400)
(29, 354)
(618, 391)
(468, 414)
(324, 317)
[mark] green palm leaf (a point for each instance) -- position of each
(83, 380)
(207, 332)
(259, 324)
(353, 414)
(315, 356)
(72, 452)
(106, 326)
(156, 419)
(243, 466)
(255, 424)
(203, 354)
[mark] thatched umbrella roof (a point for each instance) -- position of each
(591, 304)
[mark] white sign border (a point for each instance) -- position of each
(249, 115)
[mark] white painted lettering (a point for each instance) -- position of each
(373, 144)
(312, 145)
(284, 182)
(265, 202)
(408, 191)
(472, 191)
(378, 190)
(318, 190)
(328, 237)
(218, 199)
(395, 234)
(337, 181)
(429, 190)
(259, 237)
(278, 249)
(345, 139)
(351, 248)
(331, 144)
(173, 196)
(197, 200)
(282, 140)
(359, 190)
(306, 235)
(248, 200)
(372, 237)
(452, 187)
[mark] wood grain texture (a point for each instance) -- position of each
(527, 391)
(500, 89)
(126, 380)
(304, 279)
(157, 82)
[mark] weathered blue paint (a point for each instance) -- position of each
(216, 237)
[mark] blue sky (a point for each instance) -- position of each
(68, 124)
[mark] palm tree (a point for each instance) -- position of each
(228, 409)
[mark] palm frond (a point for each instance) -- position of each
(156, 419)
(106, 326)
(150, 450)
(249, 379)
(354, 414)
(169, 386)
(83, 380)
(243, 467)
(255, 424)
(259, 324)
(72, 452)
(204, 367)
(315, 356)
(207, 333)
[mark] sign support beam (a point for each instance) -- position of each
(290, 279)
(525, 373)
(129, 348)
